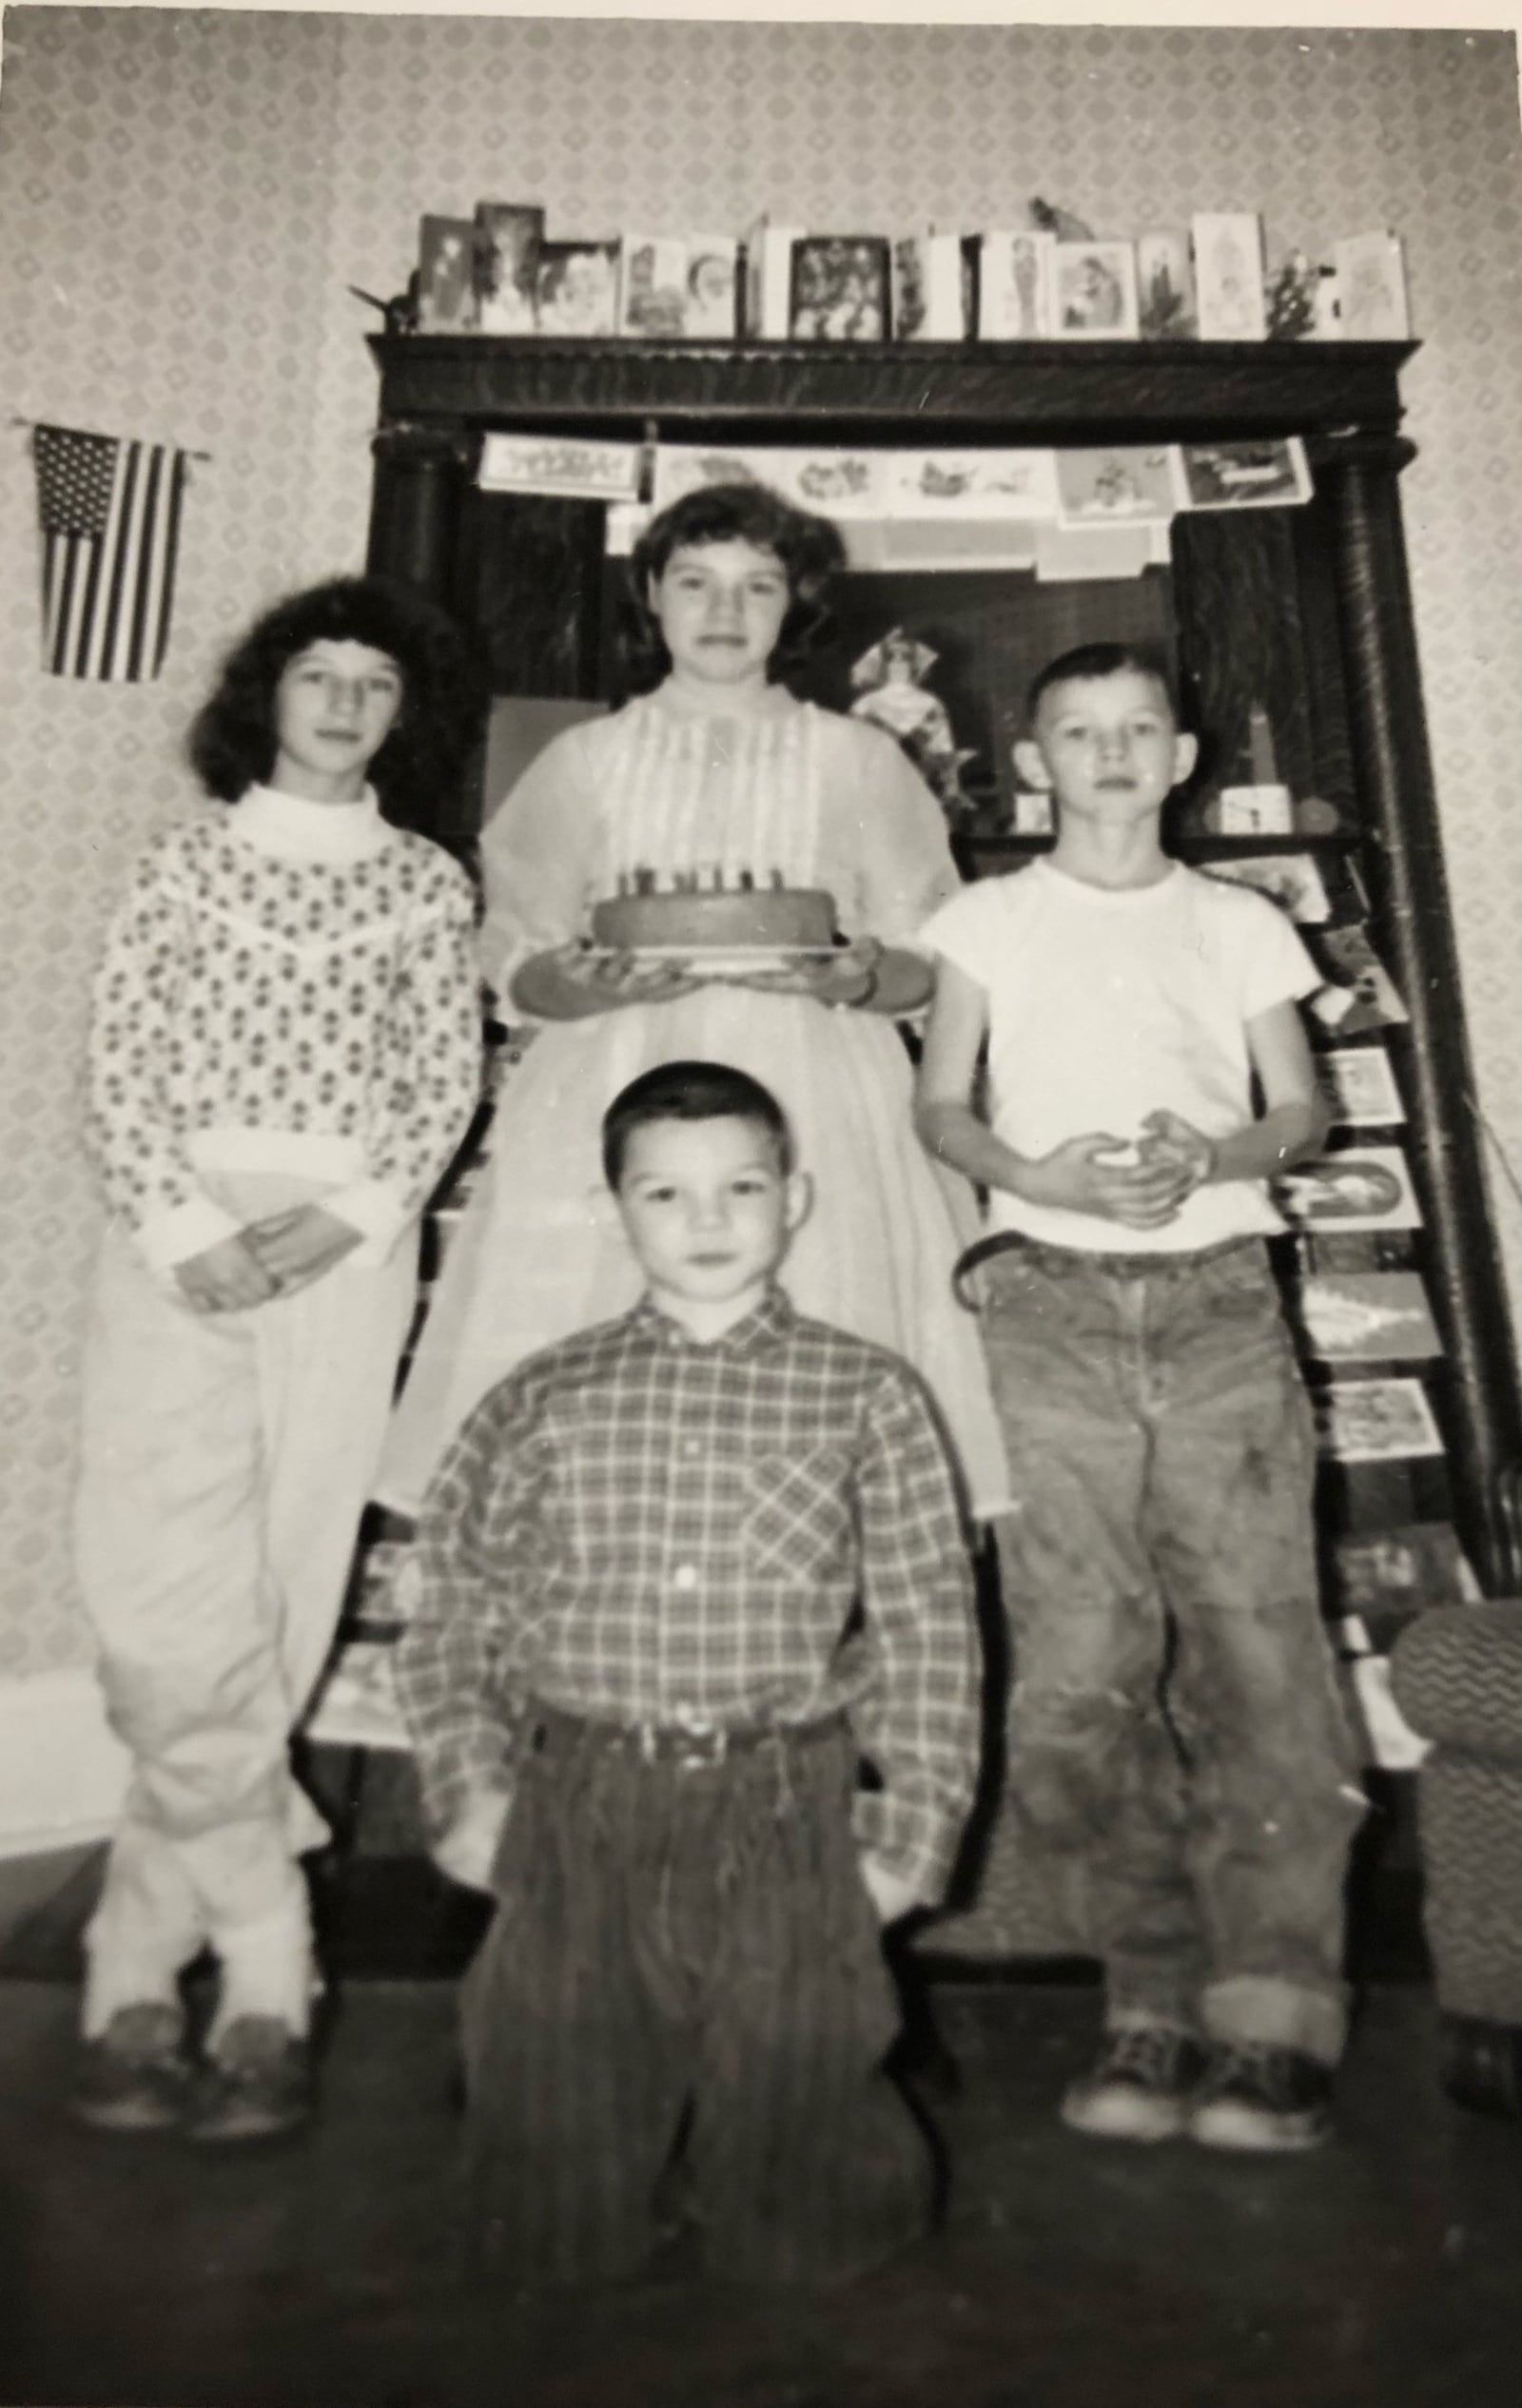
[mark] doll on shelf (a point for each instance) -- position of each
(889, 693)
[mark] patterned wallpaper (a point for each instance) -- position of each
(185, 197)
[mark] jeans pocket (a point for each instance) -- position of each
(797, 1522)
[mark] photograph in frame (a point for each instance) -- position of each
(1094, 292)
(712, 298)
(509, 235)
(839, 289)
(577, 288)
(652, 285)
(1375, 1421)
(1360, 1087)
(446, 276)
(1363, 1188)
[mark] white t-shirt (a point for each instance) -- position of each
(1107, 1003)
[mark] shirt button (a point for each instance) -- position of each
(685, 1577)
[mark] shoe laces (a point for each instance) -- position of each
(1150, 2054)
(1259, 2070)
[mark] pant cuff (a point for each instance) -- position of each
(1262, 2010)
(267, 1969)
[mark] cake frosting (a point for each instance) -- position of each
(722, 914)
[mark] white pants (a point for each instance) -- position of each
(226, 1459)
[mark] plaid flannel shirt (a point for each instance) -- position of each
(637, 1528)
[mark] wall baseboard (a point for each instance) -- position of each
(62, 1772)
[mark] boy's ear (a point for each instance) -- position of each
(797, 1201)
(1030, 762)
(1186, 754)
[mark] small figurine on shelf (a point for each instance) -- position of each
(889, 691)
(1291, 297)
(1049, 217)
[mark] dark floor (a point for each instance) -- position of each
(1071, 2273)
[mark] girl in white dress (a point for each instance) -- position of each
(719, 769)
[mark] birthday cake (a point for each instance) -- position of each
(697, 915)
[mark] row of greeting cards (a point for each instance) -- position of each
(497, 273)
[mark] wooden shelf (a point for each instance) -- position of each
(906, 392)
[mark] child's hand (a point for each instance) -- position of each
(1083, 1177)
(890, 1893)
(468, 1849)
(298, 1245)
(227, 1277)
(1172, 1138)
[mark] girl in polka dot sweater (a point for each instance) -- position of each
(284, 1054)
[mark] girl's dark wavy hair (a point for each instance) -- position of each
(444, 695)
(810, 549)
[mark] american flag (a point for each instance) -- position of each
(110, 511)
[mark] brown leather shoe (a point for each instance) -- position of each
(257, 2082)
(135, 2076)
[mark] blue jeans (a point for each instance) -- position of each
(1176, 1716)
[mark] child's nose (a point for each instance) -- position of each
(344, 695)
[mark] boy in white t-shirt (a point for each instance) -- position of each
(1176, 1718)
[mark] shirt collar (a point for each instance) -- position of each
(770, 1321)
(289, 826)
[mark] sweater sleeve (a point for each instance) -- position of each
(435, 1054)
(135, 1049)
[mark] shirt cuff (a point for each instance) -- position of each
(916, 1846)
(378, 1210)
(174, 1236)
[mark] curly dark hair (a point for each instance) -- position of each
(810, 549)
(232, 741)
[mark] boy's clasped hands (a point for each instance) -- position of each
(271, 1257)
(1142, 1183)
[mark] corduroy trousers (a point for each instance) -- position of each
(686, 1951)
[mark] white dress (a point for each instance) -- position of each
(830, 803)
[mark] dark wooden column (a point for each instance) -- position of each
(420, 476)
(1404, 859)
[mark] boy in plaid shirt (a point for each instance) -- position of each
(678, 1575)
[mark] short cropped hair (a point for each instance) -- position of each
(691, 1091)
(445, 693)
(810, 549)
(1088, 661)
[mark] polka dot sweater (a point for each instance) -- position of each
(289, 987)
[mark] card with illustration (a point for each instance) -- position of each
(1366, 1187)
(1360, 1086)
(572, 465)
(981, 485)
(842, 483)
(1360, 995)
(1250, 474)
(1135, 480)
(1291, 879)
(1375, 1421)
(1376, 1316)
(1401, 1570)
